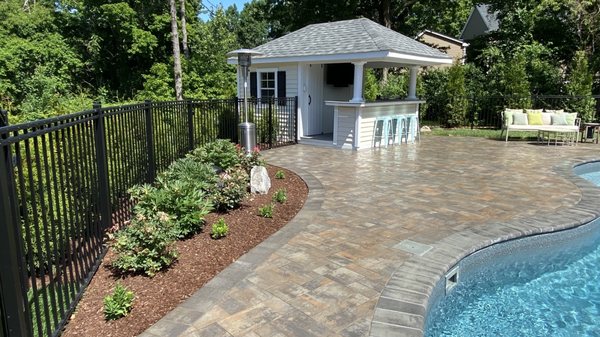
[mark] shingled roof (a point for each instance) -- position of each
(347, 41)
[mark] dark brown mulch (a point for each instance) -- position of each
(200, 259)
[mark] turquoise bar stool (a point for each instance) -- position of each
(381, 131)
(412, 133)
(398, 127)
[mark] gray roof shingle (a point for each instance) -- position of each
(489, 17)
(345, 37)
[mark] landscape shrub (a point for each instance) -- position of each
(146, 245)
(175, 206)
(118, 304)
(231, 188)
(221, 153)
(248, 161)
(219, 229)
(186, 205)
(190, 170)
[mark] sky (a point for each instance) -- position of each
(225, 3)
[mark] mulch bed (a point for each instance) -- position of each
(200, 259)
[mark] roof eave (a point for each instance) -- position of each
(380, 56)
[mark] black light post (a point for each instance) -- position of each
(246, 130)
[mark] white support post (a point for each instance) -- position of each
(358, 82)
(412, 86)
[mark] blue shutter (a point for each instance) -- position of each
(253, 92)
(281, 90)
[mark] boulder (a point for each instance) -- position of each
(259, 180)
(425, 128)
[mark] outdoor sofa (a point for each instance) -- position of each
(538, 120)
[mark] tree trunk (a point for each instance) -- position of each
(176, 52)
(386, 20)
(184, 36)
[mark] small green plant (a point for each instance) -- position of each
(280, 196)
(219, 229)
(266, 211)
(279, 174)
(118, 304)
(146, 245)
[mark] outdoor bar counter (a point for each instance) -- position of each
(354, 122)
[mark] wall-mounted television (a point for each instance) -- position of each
(339, 74)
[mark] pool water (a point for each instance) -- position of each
(542, 288)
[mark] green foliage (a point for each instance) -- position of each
(207, 74)
(263, 132)
(118, 304)
(515, 85)
(181, 193)
(251, 159)
(280, 196)
(580, 84)
(158, 84)
(434, 82)
(231, 188)
(456, 96)
(146, 245)
(279, 174)
(371, 86)
(396, 86)
(221, 153)
(253, 29)
(266, 211)
(219, 229)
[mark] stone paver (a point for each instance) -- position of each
(352, 262)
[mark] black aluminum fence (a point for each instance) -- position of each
(64, 182)
(485, 111)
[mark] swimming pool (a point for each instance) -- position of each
(547, 285)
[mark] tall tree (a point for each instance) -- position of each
(580, 85)
(176, 53)
(184, 34)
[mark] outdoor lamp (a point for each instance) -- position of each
(246, 130)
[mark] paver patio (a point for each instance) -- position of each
(324, 273)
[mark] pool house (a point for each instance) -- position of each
(323, 65)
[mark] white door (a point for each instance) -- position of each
(314, 99)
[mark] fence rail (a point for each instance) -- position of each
(64, 182)
(485, 111)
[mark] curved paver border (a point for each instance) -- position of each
(402, 306)
(178, 320)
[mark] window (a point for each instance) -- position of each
(267, 84)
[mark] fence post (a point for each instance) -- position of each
(102, 165)
(190, 116)
(16, 320)
(471, 111)
(270, 122)
(150, 142)
(296, 120)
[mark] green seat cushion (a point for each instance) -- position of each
(559, 119)
(534, 118)
(520, 119)
(571, 118)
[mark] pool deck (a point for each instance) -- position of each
(379, 229)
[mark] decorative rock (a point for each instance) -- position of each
(259, 180)
(425, 128)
